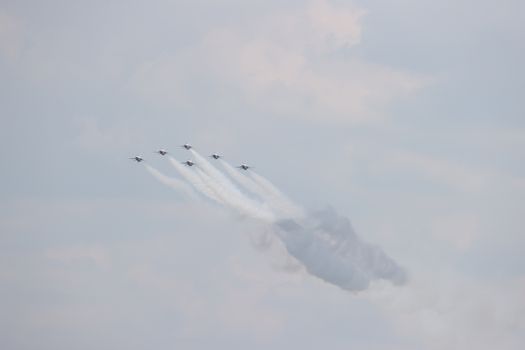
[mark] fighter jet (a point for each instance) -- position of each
(244, 167)
(186, 146)
(215, 156)
(138, 159)
(188, 163)
(162, 152)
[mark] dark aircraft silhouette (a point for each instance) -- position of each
(138, 159)
(244, 167)
(215, 156)
(162, 152)
(188, 163)
(186, 146)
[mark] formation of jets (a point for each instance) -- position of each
(189, 163)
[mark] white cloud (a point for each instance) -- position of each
(460, 230)
(459, 176)
(92, 135)
(95, 254)
(447, 311)
(296, 63)
(443, 171)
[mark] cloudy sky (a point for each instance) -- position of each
(406, 116)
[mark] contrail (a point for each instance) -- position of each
(194, 179)
(234, 199)
(171, 182)
(208, 182)
(269, 187)
(279, 198)
(213, 172)
(244, 181)
(261, 187)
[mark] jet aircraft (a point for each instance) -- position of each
(188, 163)
(138, 159)
(244, 167)
(162, 152)
(186, 146)
(215, 156)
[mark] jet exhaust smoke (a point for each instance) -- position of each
(230, 194)
(248, 184)
(322, 241)
(326, 244)
(214, 173)
(194, 180)
(176, 184)
(277, 197)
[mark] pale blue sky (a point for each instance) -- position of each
(406, 116)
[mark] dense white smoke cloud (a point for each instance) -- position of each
(322, 241)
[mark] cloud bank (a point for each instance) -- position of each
(296, 62)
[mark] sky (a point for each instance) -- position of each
(405, 116)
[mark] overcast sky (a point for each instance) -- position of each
(406, 116)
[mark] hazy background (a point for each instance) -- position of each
(407, 116)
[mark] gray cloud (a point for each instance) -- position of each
(326, 244)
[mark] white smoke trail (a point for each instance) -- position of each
(244, 181)
(214, 173)
(234, 199)
(171, 182)
(277, 197)
(195, 180)
(208, 182)
(282, 206)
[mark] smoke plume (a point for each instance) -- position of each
(213, 172)
(322, 241)
(249, 185)
(176, 184)
(228, 192)
(194, 180)
(279, 199)
(326, 244)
